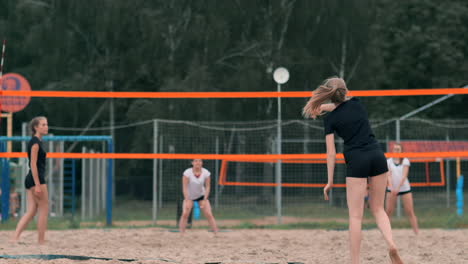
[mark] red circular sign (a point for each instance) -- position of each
(14, 82)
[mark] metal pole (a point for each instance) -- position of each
(51, 184)
(9, 130)
(160, 172)
(103, 184)
(398, 139)
(399, 206)
(91, 187)
(398, 130)
(110, 183)
(24, 169)
(278, 163)
(97, 183)
(73, 189)
(5, 185)
(424, 107)
(216, 174)
(110, 84)
(103, 178)
(83, 185)
(155, 171)
(447, 175)
(61, 169)
(97, 187)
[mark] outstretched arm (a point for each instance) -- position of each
(331, 159)
(389, 180)
(185, 182)
(207, 187)
(405, 175)
(393, 190)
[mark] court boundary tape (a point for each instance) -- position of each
(76, 257)
(254, 262)
(172, 230)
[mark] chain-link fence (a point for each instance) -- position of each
(253, 194)
(151, 190)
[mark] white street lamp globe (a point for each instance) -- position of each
(281, 75)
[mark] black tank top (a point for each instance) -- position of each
(349, 120)
(41, 156)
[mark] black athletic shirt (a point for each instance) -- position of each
(41, 155)
(350, 121)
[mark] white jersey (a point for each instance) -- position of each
(196, 185)
(397, 174)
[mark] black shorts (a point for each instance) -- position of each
(199, 198)
(29, 181)
(363, 163)
(400, 193)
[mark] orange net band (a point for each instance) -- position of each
(297, 94)
(233, 157)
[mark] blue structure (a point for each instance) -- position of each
(69, 184)
(5, 177)
(459, 194)
(5, 185)
(196, 210)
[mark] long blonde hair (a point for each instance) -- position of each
(332, 89)
(34, 123)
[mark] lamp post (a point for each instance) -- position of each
(281, 76)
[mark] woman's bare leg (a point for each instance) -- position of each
(43, 208)
(355, 193)
(409, 210)
(187, 209)
(377, 192)
(28, 216)
(206, 208)
(390, 202)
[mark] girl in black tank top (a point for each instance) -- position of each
(37, 194)
(364, 159)
(40, 163)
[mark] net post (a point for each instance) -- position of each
(216, 175)
(61, 173)
(278, 163)
(155, 169)
(399, 206)
(103, 183)
(9, 130)
(459, 190)
(160, 172)
(73, 189)
(398, 135)
(24, 167)
(447, 173)
(5, 185)
(51, 185)
(83, 185)
(110, 174)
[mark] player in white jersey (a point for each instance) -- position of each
(398, 185)
(196, 186)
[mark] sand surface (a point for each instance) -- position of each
(155, 245)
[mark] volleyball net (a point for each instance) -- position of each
(151, 154)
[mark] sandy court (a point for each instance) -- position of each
(154, 245)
